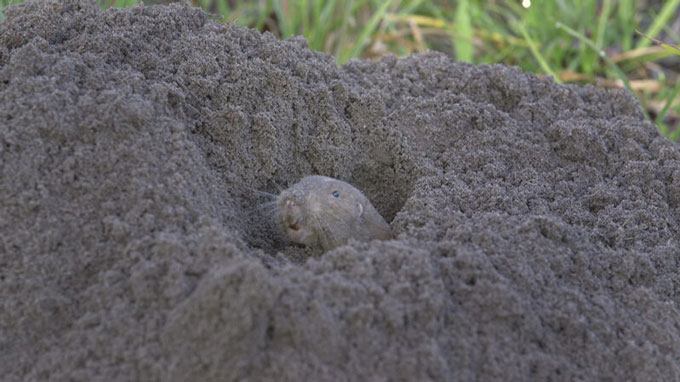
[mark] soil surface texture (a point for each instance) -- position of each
(537, 225)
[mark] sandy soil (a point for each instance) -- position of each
(538, 224)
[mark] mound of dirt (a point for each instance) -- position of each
(538, 224)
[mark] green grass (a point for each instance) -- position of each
(582, 41)
(6, 3)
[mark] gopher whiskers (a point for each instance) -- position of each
(268, 195)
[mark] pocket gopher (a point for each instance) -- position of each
(325, 213)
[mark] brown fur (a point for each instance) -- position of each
(323, 212)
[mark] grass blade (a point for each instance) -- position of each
(662, 19)
(284, 21)
(463, 44)
(624, 14)
(539, 57)
(366, 32)
(668, 104)
(263, 14)
(660, 43)
(125, 3)
(602, 23)
(622, 76)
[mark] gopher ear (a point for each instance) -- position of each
(360, 208)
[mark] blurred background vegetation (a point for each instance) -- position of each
(578, 41)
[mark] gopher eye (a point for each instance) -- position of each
(336, 194)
